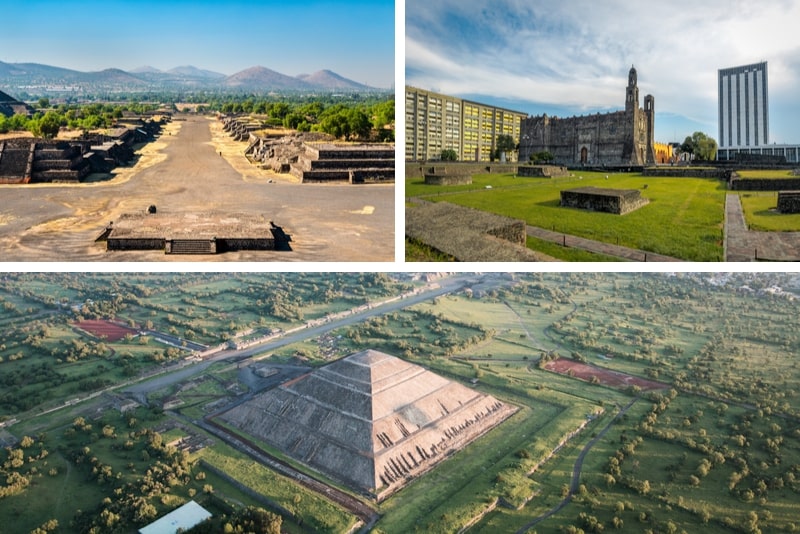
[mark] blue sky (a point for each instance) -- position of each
(572, 57)
(354, 38)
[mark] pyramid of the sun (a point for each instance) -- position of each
(370, 420)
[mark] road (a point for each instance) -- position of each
(186, 174)
(445, 286)
(576, 472)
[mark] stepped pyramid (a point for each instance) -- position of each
(370, 420)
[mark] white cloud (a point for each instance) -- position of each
(577, 53)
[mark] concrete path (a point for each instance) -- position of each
(742, 244)
(599, 247)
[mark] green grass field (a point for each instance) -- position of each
(719, 449)
(760, 212)
(683, 219)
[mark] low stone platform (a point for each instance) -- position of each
(542, 171)
(789, 201)
(448, 178)
(617, 201)
(190, 233)
(468, 234)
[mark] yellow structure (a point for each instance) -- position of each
(436, 122)
(664, 152)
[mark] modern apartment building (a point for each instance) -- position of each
(437, 122)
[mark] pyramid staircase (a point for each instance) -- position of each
(370, 420)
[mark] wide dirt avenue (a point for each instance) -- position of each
(187, 170)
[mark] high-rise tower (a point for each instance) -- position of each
(743, 106)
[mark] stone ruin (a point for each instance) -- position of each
(188, 233)
(354, 163)
(447, 176)
(789, 201)
(542, 171)
(277, 152)
(240, 127)
(370, 420)
(313, 157)
(617, 201)
(468, 234)
(26, 160)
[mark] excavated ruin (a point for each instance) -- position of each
(370, 420)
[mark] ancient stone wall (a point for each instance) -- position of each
(231, 244)
(593, 139)
(419, 171)
(456, 178)
(542, 171)
(124, 243)
(765, 184)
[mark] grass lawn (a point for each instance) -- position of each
(772, 173)
(684, 218)
(760, 212)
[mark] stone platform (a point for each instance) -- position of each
(191, 233)
(617, 201)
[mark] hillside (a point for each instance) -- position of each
(46, 80)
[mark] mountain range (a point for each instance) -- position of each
(34, 78)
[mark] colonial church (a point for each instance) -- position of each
(617, 138)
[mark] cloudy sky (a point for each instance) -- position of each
(572, 57)
(354, 38)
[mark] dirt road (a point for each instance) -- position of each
(184, 172)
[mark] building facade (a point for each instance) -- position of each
(790, 152)
(617, 138)
(743, 107)
(437, 122)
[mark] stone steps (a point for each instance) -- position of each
(191, 246)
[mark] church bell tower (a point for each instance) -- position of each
(632, 93)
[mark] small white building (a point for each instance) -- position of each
(183, 518)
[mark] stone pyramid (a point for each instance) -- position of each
(370, 420)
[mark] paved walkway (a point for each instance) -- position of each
(630, 254)
(742, 244)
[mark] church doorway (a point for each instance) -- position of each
(584, 155)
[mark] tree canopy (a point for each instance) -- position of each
(701, 146)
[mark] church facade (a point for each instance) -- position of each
(620, 138)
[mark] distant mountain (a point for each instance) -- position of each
(146, 69)
(330, 80)
(116, 77)
(43, 80)
(35, 72)
(194, 72)
(255, 77)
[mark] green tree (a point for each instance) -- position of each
(542, 157)
(448, 154)
(358, 123)
(504, 145)
(700, 146)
